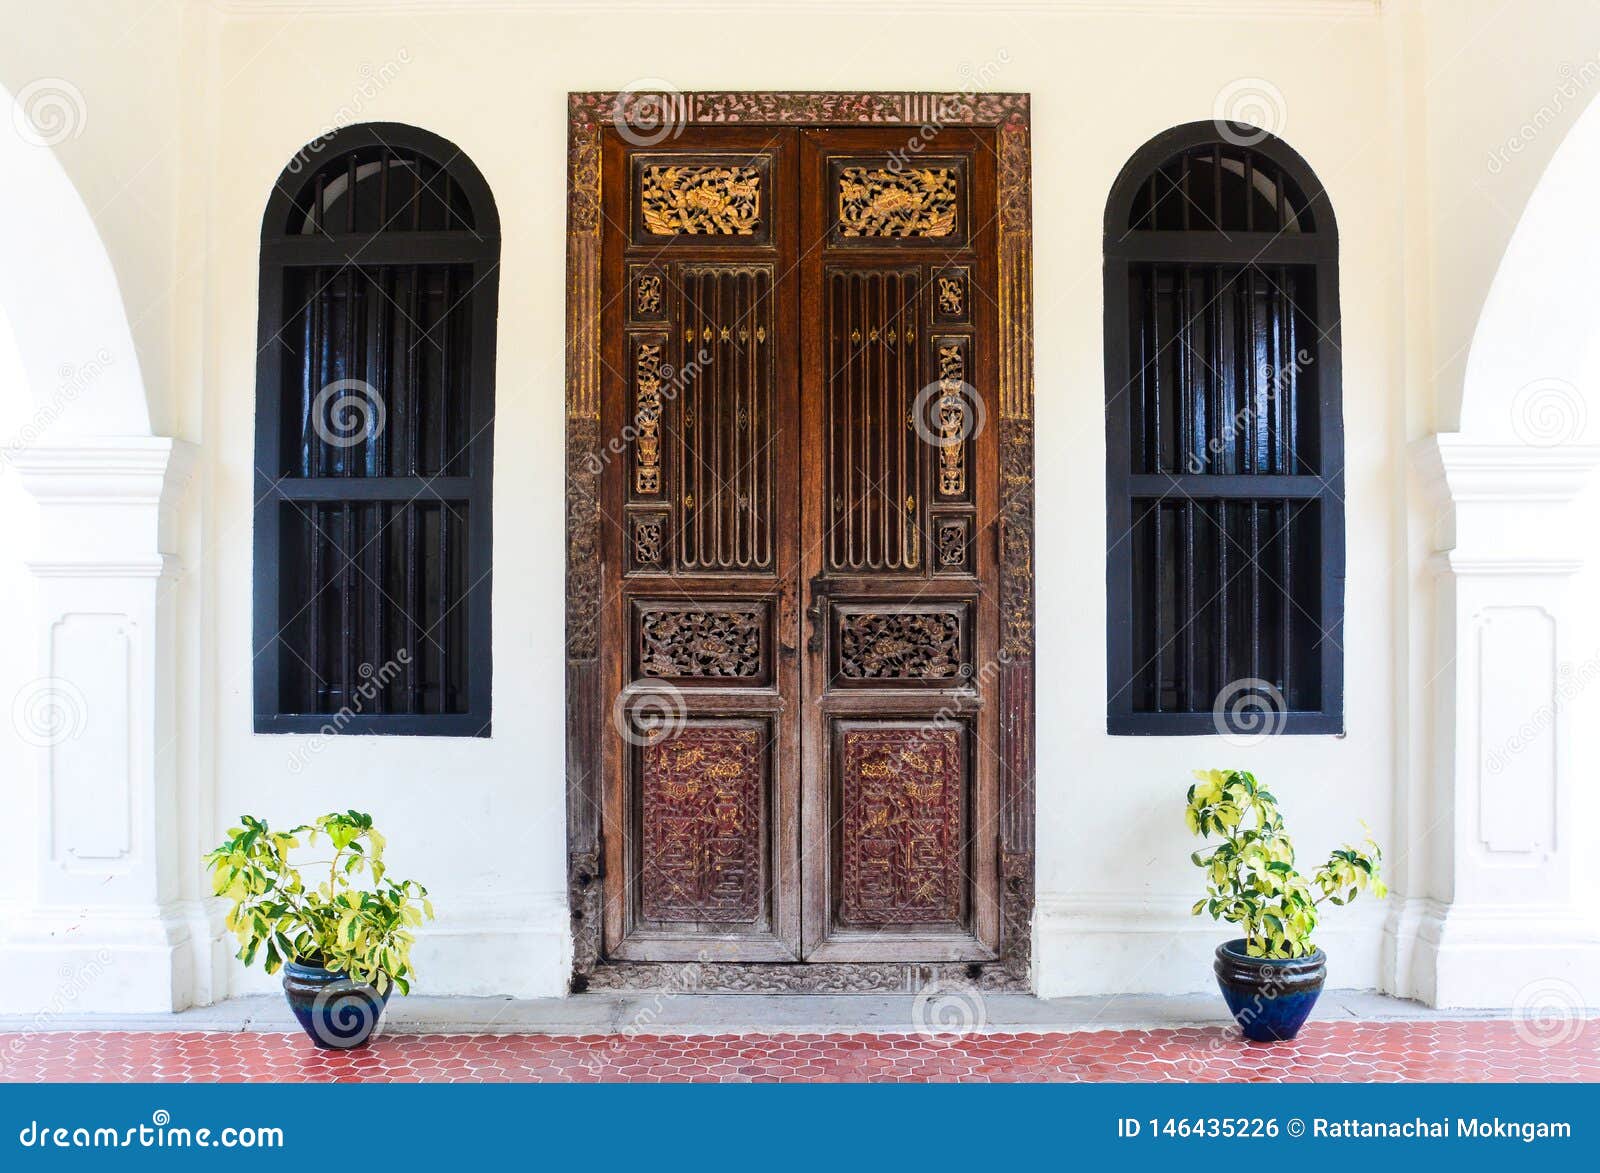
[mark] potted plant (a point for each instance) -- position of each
(1272, 975)
(343, 949)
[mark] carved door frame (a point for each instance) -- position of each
(652, 117)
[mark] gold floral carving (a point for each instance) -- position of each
(647, 295)
(875, 201)
(701, 201)
(952, 417)
(952, 297)
(647, 418)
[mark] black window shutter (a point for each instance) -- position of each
(374, 411)
(1224, 434)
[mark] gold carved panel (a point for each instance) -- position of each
(900, 203)
(693, 199)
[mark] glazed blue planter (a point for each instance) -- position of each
(333, 1010)
(1270, 998)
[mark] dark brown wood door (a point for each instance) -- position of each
(795, 334)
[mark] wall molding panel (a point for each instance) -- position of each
(103, 918)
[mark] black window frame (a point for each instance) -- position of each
(282, 251)
(1126, 247)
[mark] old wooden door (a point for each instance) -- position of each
(796, 329)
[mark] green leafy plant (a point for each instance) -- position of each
(364, 932)
(1251, 879)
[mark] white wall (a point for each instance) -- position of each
(481, 821)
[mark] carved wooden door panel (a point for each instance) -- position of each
(899, 833)
(794, 328)
(699, 341)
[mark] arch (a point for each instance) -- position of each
(366, 147)
(1533, 369)
(1236, 137)
(60, 293)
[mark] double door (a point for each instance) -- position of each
(799, 493)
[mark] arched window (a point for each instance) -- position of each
(374, 409)
(1225, 453)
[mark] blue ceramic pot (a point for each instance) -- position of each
(332, 1009)
(1270, 998)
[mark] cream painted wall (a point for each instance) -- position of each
(1397, 113)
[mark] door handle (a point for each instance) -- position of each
(817, 613)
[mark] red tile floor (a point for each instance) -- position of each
(1476, 1050)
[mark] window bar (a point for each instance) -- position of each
(1291, 389)
(348, 549)
(1155, 367)
(1255, 590)
(1191, 617)
(413, 400)
(1247, 294)
(315, 449)
(1249, 191)
(1141, 437)
(1216, 186)
(1224, 597)
(1284, 554)
(416, 191)
(378, 369)
(1185, 372)
(447, 398)
(1183, 190)
(350, 192)
(383, 189)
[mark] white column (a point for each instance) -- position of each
(103, 927)
(1503, 855)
